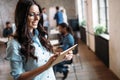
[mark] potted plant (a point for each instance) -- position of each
(83, 31)
(83, 23)
(99, 29)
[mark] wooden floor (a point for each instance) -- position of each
(86, 66)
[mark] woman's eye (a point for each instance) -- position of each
(31, 14)
(38, 14)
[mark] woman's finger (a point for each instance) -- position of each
(68, 56)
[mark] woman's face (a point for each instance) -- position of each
(33, 17)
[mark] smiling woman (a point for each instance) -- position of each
(29, 52)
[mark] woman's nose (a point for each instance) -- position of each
(37, 17)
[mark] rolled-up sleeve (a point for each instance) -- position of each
(15, 58)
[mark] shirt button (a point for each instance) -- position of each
(45, 60)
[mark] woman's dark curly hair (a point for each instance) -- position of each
(23, 34)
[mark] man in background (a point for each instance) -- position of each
(64, 16)
(8, 31)
(58, 16)
(45, 19)
(66, 41)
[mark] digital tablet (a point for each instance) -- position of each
(61, 57)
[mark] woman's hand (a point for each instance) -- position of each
(69, 56)
(52, 59)
(58, 49)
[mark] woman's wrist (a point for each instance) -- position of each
(47, 65)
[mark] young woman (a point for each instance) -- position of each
(29, 52)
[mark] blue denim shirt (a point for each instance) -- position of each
(17, 62)
(59, 17)
(67, 41)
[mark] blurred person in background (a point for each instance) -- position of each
(58, 16)
(66, 41)
(65, 20)
(8, 31)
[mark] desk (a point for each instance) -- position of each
(54, 34)
(3, 40)
(54, 31)
(54, 42)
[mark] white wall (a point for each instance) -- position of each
(52, 22)
(90, 29)
(114, 17)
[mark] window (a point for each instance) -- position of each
(82, 12)
(83, 8)
(103, 13)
